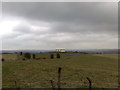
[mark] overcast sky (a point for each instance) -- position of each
(89, 25)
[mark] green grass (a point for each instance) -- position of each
(101, 69)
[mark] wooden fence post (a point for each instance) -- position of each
(90, 83)
(59, 78)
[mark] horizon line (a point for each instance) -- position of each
(58, 48)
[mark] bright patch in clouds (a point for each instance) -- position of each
(7, 26)
(39, 28)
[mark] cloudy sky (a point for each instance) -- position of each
(51, 25)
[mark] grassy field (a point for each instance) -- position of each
(102, 69)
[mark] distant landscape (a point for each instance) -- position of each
(108, 51)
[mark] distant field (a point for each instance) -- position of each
(102, 69)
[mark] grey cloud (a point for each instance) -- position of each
(71, 24)
(75, 12)
(87, 14)
(22, 29)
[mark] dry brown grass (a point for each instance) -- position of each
(102, 70)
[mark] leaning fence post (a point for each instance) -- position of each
(52, 84)
(17, 88)
(59, 77)
(90, 83)
(15, 84)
